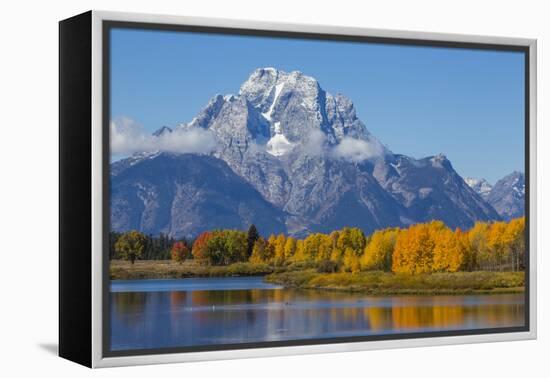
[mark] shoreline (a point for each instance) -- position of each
(166, 269)
(385, 283)
(371, 282)
(412, 292)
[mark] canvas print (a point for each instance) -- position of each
(278, 190)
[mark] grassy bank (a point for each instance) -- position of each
(305, 276)
(383, 283)
(143, 269)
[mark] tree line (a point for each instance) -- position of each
(138, 245)
(420, 248)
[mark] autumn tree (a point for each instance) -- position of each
(378, 252)
(252, 236)
(279, 248)
(325, 248)
(236, 245)
(130, 245)
(515, 238)
(479, 255)
(449, 252)
(199, 249)
(311, 246)
(225, 247)
(337, 255)
(290, 248)
(496, 242)
(299, 255)
(352, 238)
(351, 261)
(262, 252)
(414, 248)
(180, 252)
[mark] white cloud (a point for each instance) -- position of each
(128, 137)
(357, 150)
(315, 144)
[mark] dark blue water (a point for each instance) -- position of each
(206, 311)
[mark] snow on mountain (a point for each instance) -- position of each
(508, 196)
(430, 189)
(278, 145)
(480, 186)
(277, 88)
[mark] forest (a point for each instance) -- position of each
(421, 248)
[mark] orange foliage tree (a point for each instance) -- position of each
(414, 248)
(378, 253)
(449, 251)
(180, 252)
(200, 247)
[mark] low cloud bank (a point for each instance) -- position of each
(129, 137)
(357, 150)
(350, 149)
(316, 143)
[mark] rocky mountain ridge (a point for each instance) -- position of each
(307, 154)
(507, 196)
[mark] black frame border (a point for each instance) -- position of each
(108, 25)
(75, 189)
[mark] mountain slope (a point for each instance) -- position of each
(508, 196)
(183, 195)
(430, 189)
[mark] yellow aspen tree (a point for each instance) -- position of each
(336, 255)
(400, 262)
(357, 240)
(325, 248)
(378, 252)
(312, 246)
(351, 261)
(259, 252)
(344, 240)
(515, 240)
(334, 238)
(497, 244)
(448, 255)
(271, 243)
(290, 248)
(480, 257)
(299, 255)
(279, 245)
(413, 251)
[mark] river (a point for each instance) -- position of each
(149, 314)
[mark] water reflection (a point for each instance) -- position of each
(157, 319)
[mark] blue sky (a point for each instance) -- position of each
(419, 101)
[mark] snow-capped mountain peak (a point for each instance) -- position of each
(508, 195)
(480, 186)
(307, 154)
